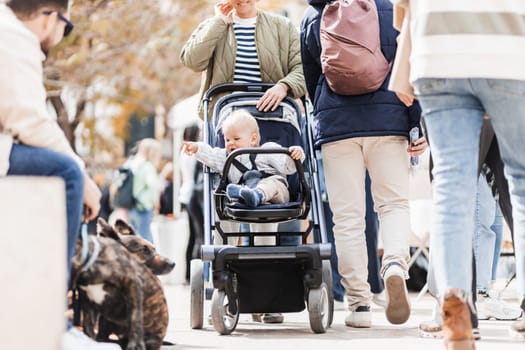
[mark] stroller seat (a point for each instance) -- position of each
(265, 212)
(282, 126)
(297, 208)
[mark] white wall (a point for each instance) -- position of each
(32, 263)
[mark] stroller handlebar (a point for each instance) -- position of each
(231, 87)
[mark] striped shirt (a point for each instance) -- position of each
(247, 69)
(468, 39)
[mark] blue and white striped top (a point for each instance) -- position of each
(247, 69)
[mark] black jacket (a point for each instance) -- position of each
(337, 117)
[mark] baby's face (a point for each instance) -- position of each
(236, 137)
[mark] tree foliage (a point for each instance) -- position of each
(122, 58)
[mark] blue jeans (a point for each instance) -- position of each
(453, 111)
(33, 161)
(141, 222)
(339, 291)
(289, 226)
(484, 239)
(371, 232)
(497, 228)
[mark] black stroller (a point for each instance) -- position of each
(250, 278)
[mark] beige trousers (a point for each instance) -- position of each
(274, 189)
(345, 163)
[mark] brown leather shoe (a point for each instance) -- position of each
(457, 327)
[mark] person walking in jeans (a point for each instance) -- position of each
(460, 73)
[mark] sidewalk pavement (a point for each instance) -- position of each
(295, 332)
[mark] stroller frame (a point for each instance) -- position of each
(262, 279)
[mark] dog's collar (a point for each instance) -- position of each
(87, 262)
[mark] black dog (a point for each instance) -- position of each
(119, 288)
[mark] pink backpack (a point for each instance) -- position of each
(351, 56)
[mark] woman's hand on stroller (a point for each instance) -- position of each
(296, 152)
(190, 147)
(272, 97)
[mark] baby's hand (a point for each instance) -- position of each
(296, 152)
(190, 147)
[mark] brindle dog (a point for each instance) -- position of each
(120, 288)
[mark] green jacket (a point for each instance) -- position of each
(212, 46)
(147, 184)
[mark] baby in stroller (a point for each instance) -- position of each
(253, 179)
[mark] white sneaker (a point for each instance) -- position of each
(74, 339)
(430, 329)
(433, 329)
(379, 299)
(360, 318)
(398, 305)
(489, 307)
(339, 305)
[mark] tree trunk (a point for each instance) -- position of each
(63, 118)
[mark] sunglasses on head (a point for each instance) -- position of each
(69, 26)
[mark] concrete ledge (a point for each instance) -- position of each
(32, 263)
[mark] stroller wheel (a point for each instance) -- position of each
(327, 278)
(223, 321)
(197, 293)
(319, 308)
